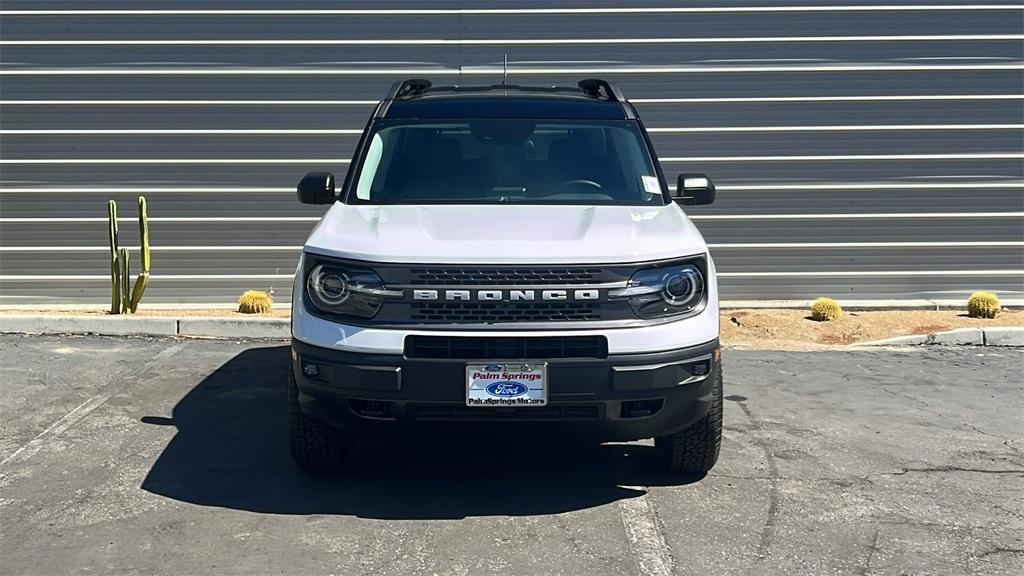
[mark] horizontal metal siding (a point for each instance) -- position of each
(842, 210)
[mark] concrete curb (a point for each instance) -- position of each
(1004, 336)
(106, 325)
(203, 327)
(995, 336)
(235, 327)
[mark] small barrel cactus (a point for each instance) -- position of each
(824, 309)
(983, 305)
(254, 302)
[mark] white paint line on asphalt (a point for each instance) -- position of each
(811, 274)
(646, 539)
(708, 100)
(272, 219)
(513, 11)
(794, 158)
(290, 190)
(519, 70)
(728, 246)
(56, 429)
(516, 41)
(357, 131)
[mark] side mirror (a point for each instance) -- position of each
(317, 188)
(694, 190)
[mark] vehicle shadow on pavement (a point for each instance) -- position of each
(231, 450)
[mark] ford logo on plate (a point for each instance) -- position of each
(493, 368)
(506, 389)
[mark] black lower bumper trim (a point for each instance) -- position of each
(621, 397)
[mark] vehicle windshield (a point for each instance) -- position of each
(484, 161)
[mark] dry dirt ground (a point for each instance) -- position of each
(784, 328)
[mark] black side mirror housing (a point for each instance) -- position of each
(317, 188)
(694, 190)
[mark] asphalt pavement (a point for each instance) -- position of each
(152, 456)
(837, 113)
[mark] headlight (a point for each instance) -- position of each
(347, 291)
(664, 291)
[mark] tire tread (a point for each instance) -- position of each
(316, 447)
(694, 449)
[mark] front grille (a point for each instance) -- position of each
(472, 312)
(445, 412)
(506, 347)
(518, 276)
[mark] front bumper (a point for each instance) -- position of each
(618, 398)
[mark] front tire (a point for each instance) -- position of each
(694, 449)
(316, 447)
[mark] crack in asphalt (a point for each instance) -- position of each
(999, 550)
(951, 469)
(871, 552)
(928, 408)
(579, 546)
(768, 530)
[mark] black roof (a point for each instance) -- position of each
(590, 99)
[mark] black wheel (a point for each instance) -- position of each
(316, 447)
(694, 449)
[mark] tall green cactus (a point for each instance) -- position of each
(124, 298)
(115, 266)
(143, 280)
(126, 281)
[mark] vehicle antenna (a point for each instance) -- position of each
(504, 70)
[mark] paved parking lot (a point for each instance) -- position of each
(135, 456)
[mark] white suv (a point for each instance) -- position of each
(509, 256)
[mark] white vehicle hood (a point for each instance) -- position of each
(504, 234)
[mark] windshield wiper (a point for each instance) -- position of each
(469, 200)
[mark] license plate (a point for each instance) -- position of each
(510, 384)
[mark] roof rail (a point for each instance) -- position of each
(493, 87)
(601, 89)
(408, 88)
(401, 90)
(595, 88)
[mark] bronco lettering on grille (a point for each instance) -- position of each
(505, 295)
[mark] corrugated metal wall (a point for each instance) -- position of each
(860, 151)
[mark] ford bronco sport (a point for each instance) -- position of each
(506, 255)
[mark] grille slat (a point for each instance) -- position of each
(504, 312)
(505, 347)
(507, 277)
